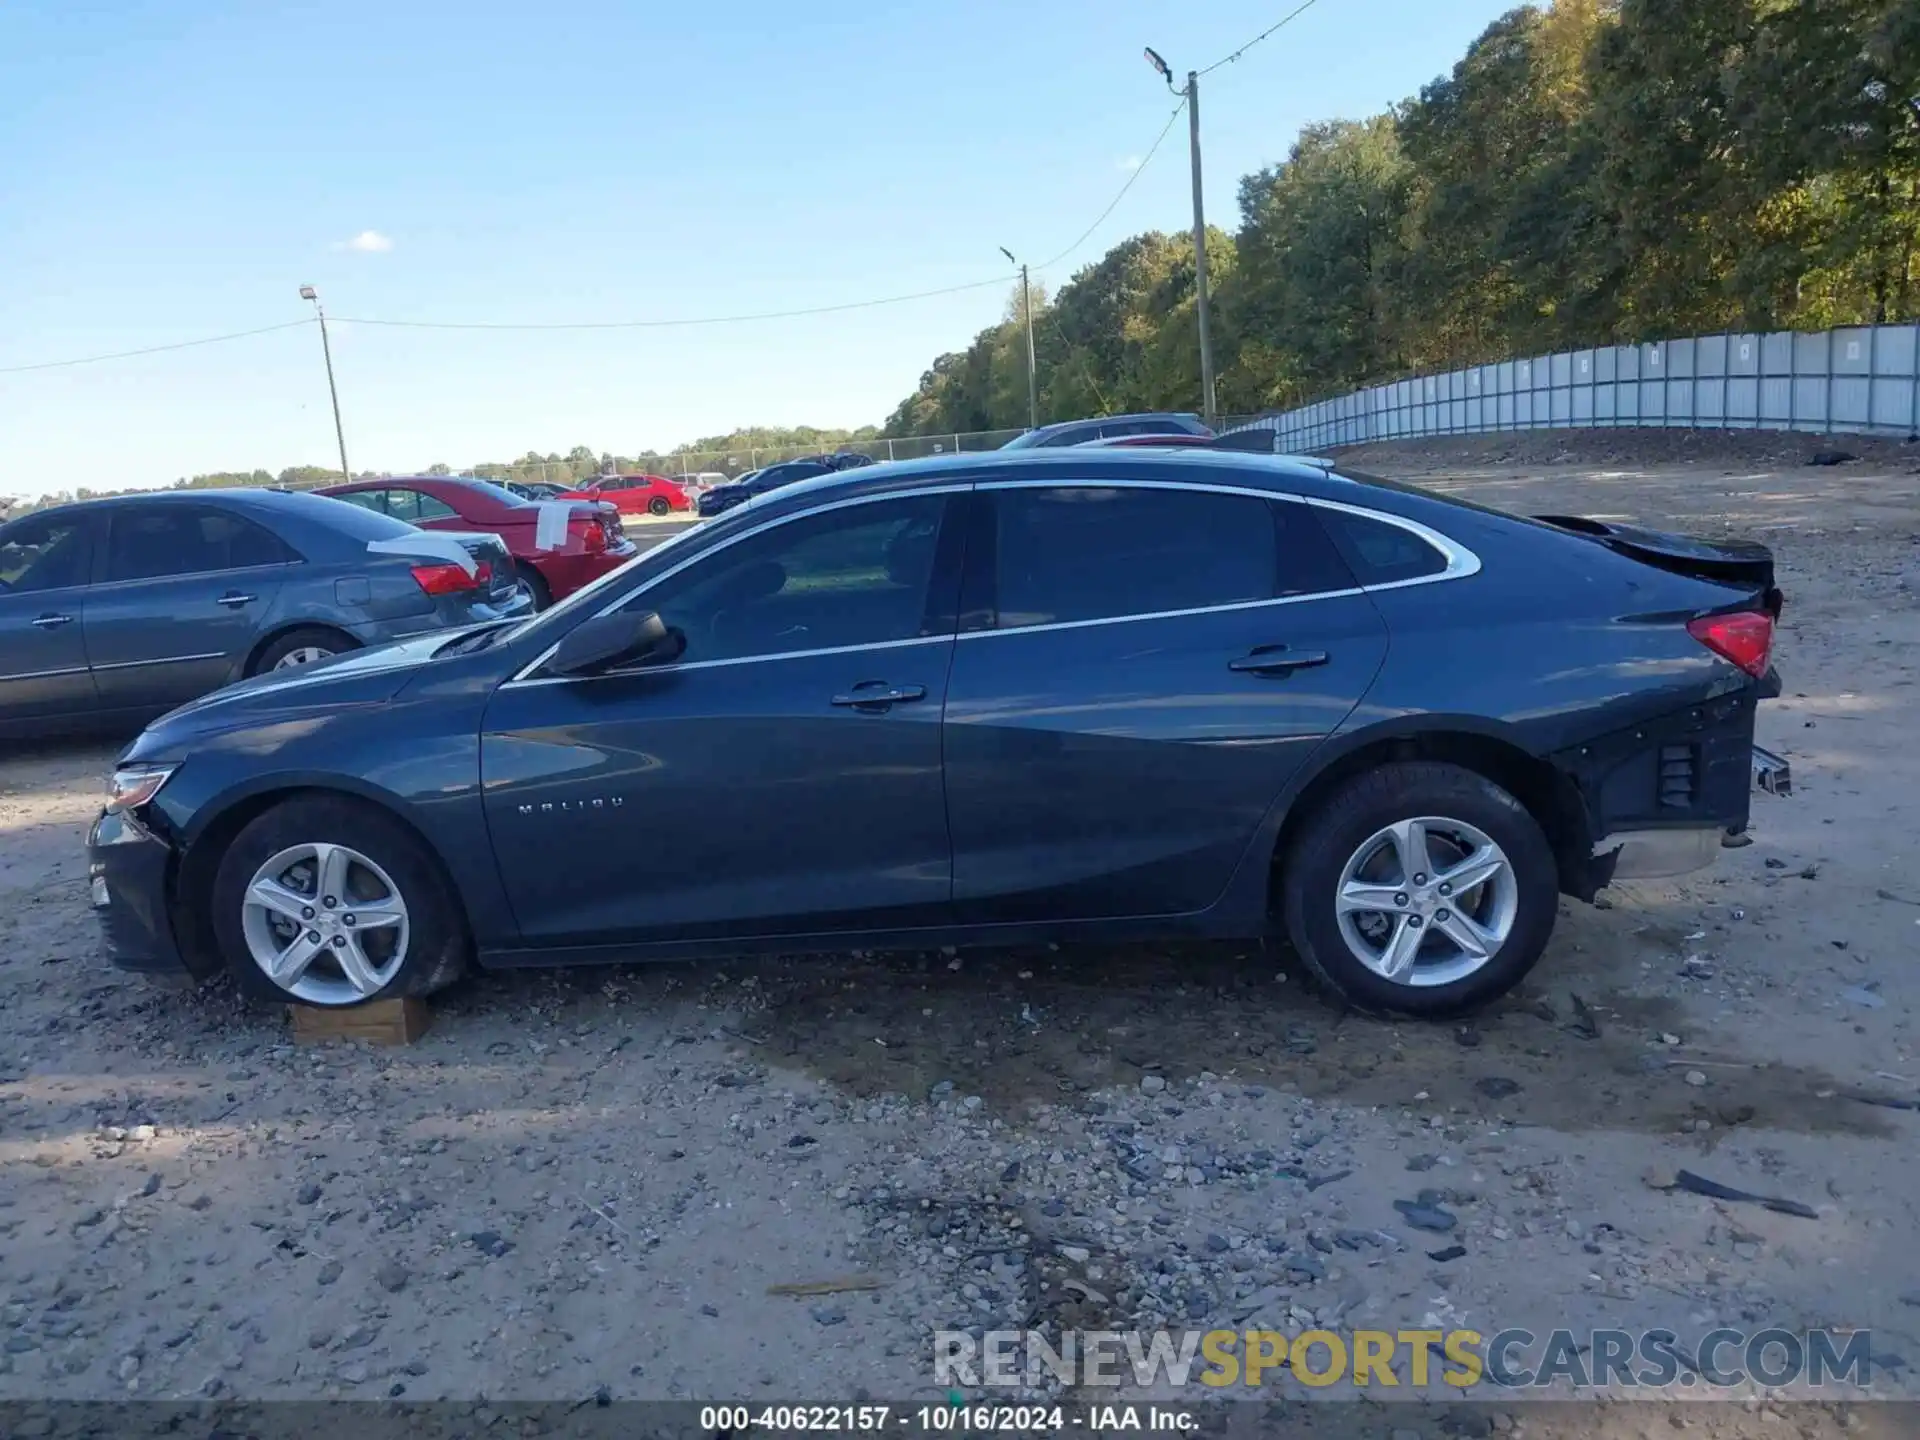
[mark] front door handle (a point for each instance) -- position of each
(1278, 660)
(51, 621)
(233, 599)
(877, 695)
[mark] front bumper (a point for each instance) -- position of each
(128, 871)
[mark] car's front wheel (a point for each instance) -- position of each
(330, 901)
(1420, 888)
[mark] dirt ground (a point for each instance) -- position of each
(582, 1185)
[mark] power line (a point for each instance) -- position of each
(1278, 24)
(668, 324)
(152, 349)
(1145, 160)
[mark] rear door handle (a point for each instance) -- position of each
(233, 599)
(878, 695)
(1278, 660)
(52, 622)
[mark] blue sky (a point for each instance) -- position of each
(178, 168)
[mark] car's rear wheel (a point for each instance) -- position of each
(307, 645)
(1420, 888)
(536, 584)
(330, 901)
(659, 505)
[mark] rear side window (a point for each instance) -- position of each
(153, 543)
(1381, 553)
(414, 506)
(1093, 553)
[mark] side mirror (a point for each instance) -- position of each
(617, 642)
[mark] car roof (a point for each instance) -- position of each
(248, 497)
(1277, 473)
(1060, 425)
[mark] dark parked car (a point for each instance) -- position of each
(987, 699)
(531, 489)
(982, 699)
(117, 610)
(723, 498)
(1079, 432)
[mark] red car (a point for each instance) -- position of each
(591, 544)
(634, 494)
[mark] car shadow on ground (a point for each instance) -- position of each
(1574, 1050)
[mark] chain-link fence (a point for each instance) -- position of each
(1861, 380)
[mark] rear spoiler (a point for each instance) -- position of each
(1728, 562)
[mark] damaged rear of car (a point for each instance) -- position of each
(1601, 677)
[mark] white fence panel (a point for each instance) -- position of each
(1860, 379)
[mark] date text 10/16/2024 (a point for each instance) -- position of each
(945, 1419)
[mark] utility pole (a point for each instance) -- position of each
(307, 292)
(1201, 307)
(1033, 374)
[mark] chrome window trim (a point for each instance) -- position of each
(1161, 614)
(169, 660)
(1461, 562)
(735, 660)
(524, 675)
(111, 585)
(44, 674)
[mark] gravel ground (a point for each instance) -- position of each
(582, 1185)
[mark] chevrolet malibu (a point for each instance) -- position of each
(1074, 694)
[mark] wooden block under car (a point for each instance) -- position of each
(378, 1022)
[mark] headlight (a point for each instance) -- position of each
(134, 785)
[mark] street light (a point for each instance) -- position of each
(307, 292)
(1033, 378)
(1192, 96)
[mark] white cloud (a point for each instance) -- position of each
(367, 242)
(1132, 162)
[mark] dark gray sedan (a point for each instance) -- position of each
(114, 611)
(1054, 695)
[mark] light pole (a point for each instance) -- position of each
(307, 292)
(1192, 96)
(1033, 376)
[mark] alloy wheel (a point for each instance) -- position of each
(303, 655)
(1427, 901)
(325, 924)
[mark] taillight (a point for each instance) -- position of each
(593, 535)
(1745, 638)
(447, 579)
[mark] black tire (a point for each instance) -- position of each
(1312, 868)
(536, 584)
(438, 943)
(659, 505)
(307, 637)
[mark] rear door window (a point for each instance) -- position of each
(425, 506)
(1088, 552)
(154, 542)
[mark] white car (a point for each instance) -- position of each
(705, 480)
